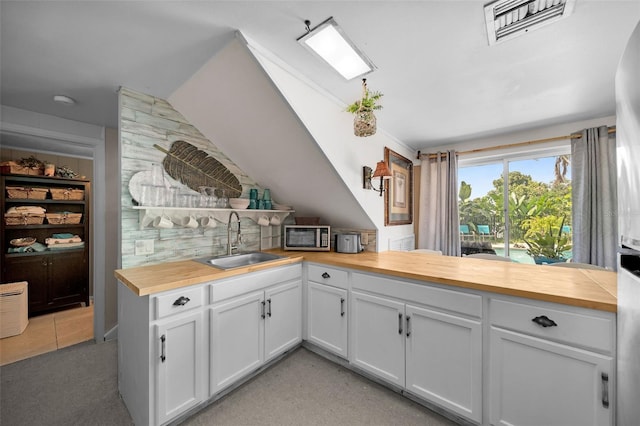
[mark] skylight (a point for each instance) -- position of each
(329, 42)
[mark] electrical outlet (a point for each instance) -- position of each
(364, 238)
(143, 247)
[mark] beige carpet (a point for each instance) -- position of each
(77, 385)
(306, 389)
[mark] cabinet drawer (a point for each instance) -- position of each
(330, 276)
(440, 298)
(245, 283)
(589, 329)
(179, 301)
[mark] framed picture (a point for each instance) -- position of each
(398, 195)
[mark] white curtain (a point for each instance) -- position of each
(594, 197)
(438, 226)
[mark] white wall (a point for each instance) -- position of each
(238, 106)
(564, 129)
(332, 128)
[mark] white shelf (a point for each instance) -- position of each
(147, 213)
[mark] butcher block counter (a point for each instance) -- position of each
(585, 288)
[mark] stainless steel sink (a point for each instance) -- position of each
(238, 260)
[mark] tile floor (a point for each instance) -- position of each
(46, 333)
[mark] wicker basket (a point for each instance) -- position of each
(23, 218)
(27, 193)
(64, 218)
(67, 194)
(12, 167)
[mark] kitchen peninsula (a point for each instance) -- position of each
(452, 329)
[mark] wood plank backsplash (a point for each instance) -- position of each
(144, 121)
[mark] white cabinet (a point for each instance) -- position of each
(177, 349)
(251, 329)
(283, 322)
(237, 339)
(550, 365)
(444, 360)
(433, 354)
(327, 324)
(180, 365)
(162, 352)
(377, 339)
(327, 308)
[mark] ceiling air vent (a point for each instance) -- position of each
(510, 18)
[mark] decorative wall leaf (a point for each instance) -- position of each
(194, 168)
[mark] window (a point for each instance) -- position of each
(527, 218)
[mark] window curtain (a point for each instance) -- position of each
(594, 197)
(438, 226)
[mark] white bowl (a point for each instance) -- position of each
(239, 203)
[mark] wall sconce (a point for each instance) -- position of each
(382, 171)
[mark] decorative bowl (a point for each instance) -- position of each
(239, 203)
(22, 242)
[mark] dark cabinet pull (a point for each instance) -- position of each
(181, 301)
(325, 275)
(342, 306)
(408, 326)
(269, 311)
(399, 323)
(162, 355)
(544, 321)
(605, 390)
(263, 315)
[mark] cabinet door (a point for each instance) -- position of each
(539, 382)
(327, 317)
(68, 273)
(237, 339)
(283, 323)
(377, 338)
(180, 357)
(34, 270)
(444, 360)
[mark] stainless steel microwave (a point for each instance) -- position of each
(307, 237)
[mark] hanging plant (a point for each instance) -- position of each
(364, 122)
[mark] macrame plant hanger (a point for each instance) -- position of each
(364, 122)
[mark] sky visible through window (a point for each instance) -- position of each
(481, 177)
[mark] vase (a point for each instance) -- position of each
(544, 260)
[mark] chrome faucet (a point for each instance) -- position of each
(231, 247)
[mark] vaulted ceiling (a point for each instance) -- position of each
(441, 80)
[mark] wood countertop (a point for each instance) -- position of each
(577, 287)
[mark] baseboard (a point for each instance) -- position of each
(111, 334)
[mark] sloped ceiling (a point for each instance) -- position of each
(232, 101)
(442, 81)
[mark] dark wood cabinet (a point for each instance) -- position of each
(56, 277)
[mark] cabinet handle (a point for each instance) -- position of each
(325, 275)
(162, 355)
(399, 323)
(44, 262)
(269, 311)
(342, 306)
(408, 326)
(544, 321)
(605, 390)
(181, 301)
(263, 315)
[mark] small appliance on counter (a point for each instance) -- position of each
(348, 243)
(307, 237)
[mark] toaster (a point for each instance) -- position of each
(348, 243)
